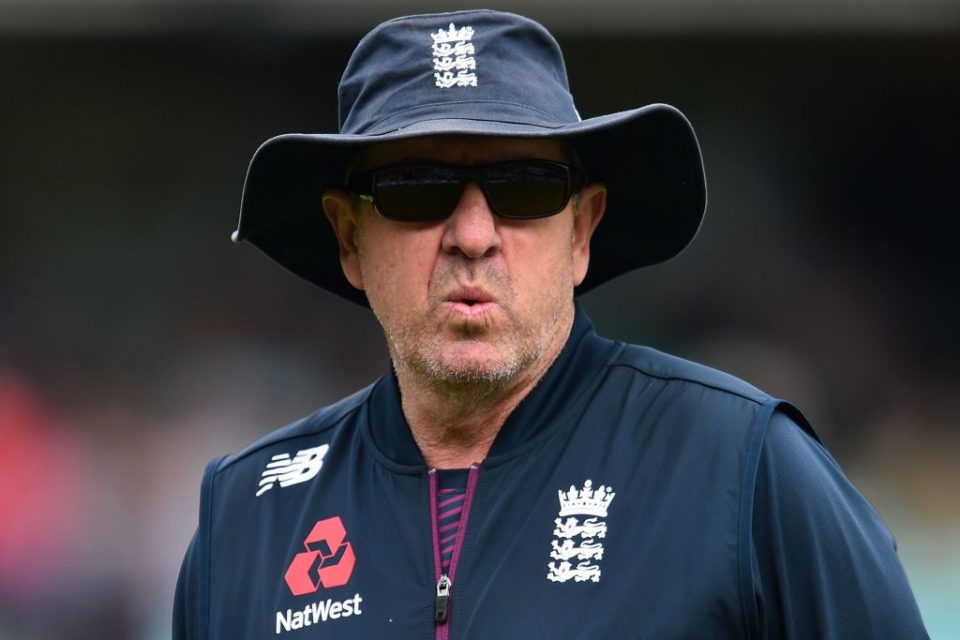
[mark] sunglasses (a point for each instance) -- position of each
(520, 190)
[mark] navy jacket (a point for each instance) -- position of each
(630, 495)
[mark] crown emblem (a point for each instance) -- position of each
(586, 501)
(453, 61)
(452, 35)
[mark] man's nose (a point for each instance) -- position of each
(472, 227)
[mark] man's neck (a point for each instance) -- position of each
(454, 425)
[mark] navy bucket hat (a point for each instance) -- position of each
(484, 73)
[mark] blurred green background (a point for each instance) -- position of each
(136, 342)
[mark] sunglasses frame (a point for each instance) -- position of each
(364, 185)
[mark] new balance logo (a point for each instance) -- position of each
(304, 466)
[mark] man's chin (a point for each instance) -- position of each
(474, 364)
(477, 372)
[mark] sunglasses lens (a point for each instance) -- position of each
(527, 189)
(430, 192)
(417, 192)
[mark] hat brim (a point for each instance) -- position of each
(649, 159)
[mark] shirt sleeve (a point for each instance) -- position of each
(191, 600)
(824, 564)
(185, 598)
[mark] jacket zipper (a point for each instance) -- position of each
(444, 591)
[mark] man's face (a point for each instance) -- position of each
(474, 298)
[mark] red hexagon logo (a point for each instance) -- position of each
(328, 560)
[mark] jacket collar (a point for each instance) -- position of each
(575, 369)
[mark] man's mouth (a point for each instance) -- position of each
(470, 296)
(469, 302)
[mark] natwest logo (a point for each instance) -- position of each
(328, 560)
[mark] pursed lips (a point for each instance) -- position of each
(469, 302)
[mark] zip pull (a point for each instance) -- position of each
(442, 603)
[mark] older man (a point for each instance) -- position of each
(515, 474)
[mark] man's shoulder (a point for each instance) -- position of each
(689, 391)
(305, 431)
(679, 372)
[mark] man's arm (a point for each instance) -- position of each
(185, 598)
(825, 565)
(190, 603)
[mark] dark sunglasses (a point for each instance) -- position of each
(519, 190)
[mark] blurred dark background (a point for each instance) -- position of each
(136, 342)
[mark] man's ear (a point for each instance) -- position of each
(338, 206)
(591, 203)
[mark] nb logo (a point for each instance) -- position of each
(304, 466)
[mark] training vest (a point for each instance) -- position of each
(630, 495)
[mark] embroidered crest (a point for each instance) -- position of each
(453, 62)
(575, 548)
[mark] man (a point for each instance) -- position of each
(515, 475)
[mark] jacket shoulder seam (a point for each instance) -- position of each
(757, 397)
